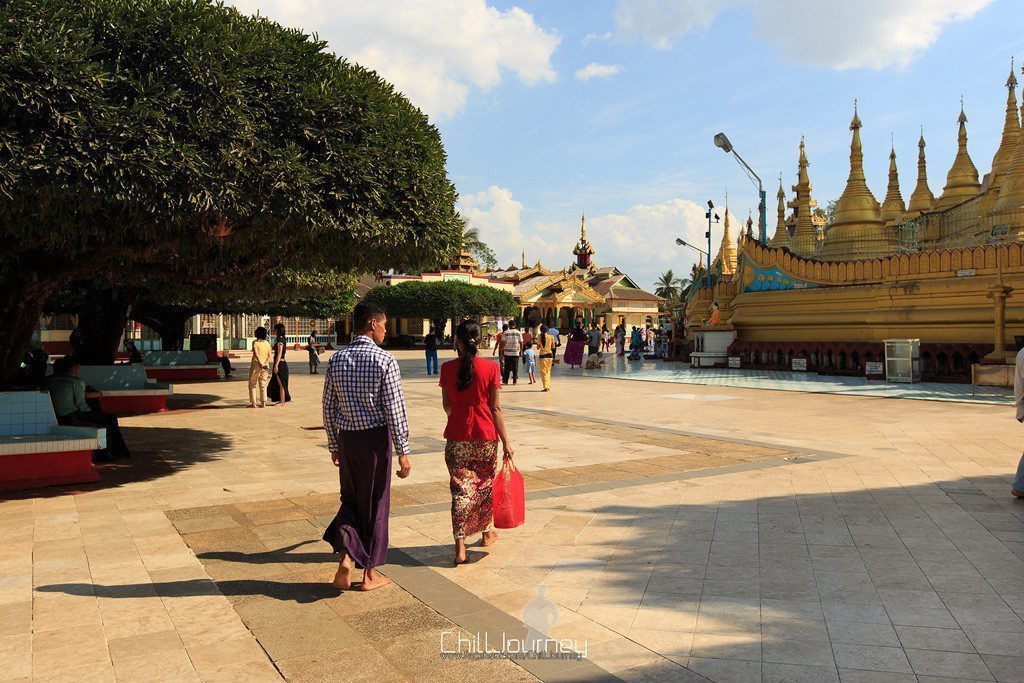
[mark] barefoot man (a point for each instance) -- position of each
(364, 414)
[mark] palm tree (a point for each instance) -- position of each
(668, 285)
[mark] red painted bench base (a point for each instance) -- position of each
(172, 374)
(133, 405)
(33, 470)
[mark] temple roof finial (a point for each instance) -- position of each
(1011, 82)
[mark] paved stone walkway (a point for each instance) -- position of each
(680, 531)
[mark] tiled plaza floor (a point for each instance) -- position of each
(681, 531)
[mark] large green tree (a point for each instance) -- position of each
(155, 141)
(441, 301)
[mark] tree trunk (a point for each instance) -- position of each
(21, 305)
(170, 325)
(102, 322)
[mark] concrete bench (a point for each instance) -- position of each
(168, 366)
(36, 451)
(126, 389)
(991, 376)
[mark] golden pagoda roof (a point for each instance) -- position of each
(802, 204)
(856, 206)
(893, 207)
(1011, 131)
(922, 199)
(781, 231)
(727, 249)
(583, 247)
(1011, 191)
(962, 180)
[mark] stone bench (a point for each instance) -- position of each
(126, 389)
(36, 451)
(169, 366)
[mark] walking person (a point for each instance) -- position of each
(513, 343)
(620, 340)
(499, 349)
(545, 356)
(593, 339)
(278, 389)
(575, 347)
(470, 390)
(430, 349)
(259, 368)
(606, 339)
(530, 362)
(314, 357)
(364, 415)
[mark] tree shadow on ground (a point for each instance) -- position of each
(157, 452)
(177, 402)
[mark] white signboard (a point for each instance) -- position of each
(965, 272)
(799, 365)
(734, 361)
(874, 368)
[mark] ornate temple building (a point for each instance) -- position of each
(581, 290)
(942, 269)
(557, 297)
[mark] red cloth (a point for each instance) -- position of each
(471, 419)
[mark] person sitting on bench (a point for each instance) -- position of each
(213, 357)
(68, 394)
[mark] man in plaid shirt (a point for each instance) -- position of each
(364, 415)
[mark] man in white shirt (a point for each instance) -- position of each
(1018, 400)
(513, 339)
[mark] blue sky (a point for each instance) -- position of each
(531, 143)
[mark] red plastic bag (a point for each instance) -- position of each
(509, 497)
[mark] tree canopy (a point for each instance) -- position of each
(180, 139)
(442, 300)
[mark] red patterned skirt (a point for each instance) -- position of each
(472, 465)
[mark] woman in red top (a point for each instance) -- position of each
(469, 394)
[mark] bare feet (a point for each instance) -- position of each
(373, 580)
(488, 538)
(263, 405)
(1017, 494)
(252, 405)
(460, 551)
(343, 579)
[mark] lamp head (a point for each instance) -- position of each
(723, 142)
(710, 204)
(680, 242)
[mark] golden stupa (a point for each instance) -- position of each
(922, 199)
(962, 180)
(857, 227)
(893, 207)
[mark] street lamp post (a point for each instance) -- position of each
(722, 142)
(708, 214)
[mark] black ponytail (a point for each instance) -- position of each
(468, 332)
(543, 335)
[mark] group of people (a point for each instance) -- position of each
(268, 369)
(365, 419)
(536, 351)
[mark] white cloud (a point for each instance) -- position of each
(639, 241)
(595, 70)
(597, 38)
(834, 33)
(434, 52)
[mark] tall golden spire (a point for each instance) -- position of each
(1003, 159)
(781, 235)
(804, 237)
(922, 199)
(583, 250)
(856, 207)
(893, 207)
(962, 180)
(727, 249)
(1011, 193)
